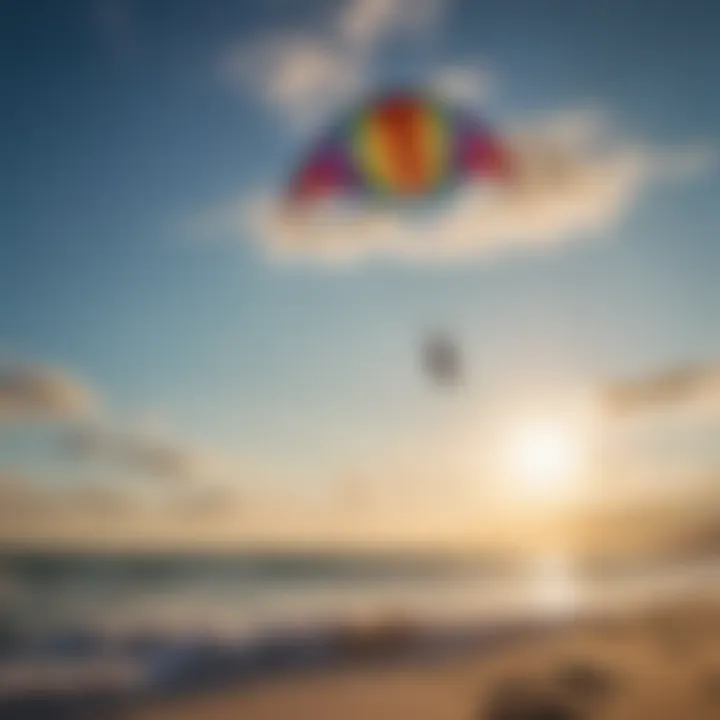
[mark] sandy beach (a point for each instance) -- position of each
(662, 664)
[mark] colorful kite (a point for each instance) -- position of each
(401, 146)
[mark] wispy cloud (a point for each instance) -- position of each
(30, 392)
(92, 514)
(575, 177)
(304, 75)
(151, 454)
(24, 500)
(658, 431)
(35, 392)
(692, 390)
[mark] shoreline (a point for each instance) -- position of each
(86, 674)
(80, 673)
(655, 663)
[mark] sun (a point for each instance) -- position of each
(544, 457)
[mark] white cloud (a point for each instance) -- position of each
(363, 23)
(462, 84)
(297, 76)
(303, 76)
(573, 178)
(32, 392)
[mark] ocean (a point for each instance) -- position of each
(235, 594)
(126, 625)
(224, 594)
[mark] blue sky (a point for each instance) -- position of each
(120, 130)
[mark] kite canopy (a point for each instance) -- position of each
(403, 145)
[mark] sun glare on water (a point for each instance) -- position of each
(556, 589)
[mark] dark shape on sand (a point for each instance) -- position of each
(711, 686)
(522, 700)
(381, 640)
(442, 359)
(585, 681)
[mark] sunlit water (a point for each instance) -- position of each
(253, 593)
